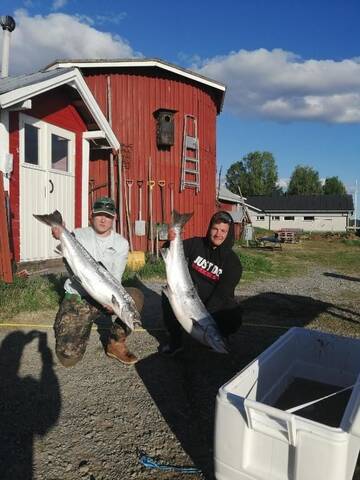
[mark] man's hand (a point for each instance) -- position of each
(109, 309)
(56, 232)
(171, 234)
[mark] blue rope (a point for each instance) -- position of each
(149, 462)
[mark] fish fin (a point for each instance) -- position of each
(59, 249)
(164, 253)
(53, 219)
(167, 290)
(180, 218)
(77, 279)
(197, 325)
(115, 302)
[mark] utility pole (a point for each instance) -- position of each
(355, 205)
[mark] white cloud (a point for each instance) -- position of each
(280, 85)
(283, 183)
(41, 39)
(57, 4)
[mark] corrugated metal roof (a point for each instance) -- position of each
(136, 62)
(288, 203)
(227, 195)
(9, 84)
(123, 63)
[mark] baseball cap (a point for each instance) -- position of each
(104, 205)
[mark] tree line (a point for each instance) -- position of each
(256, 174)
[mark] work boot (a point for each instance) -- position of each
(117, 349)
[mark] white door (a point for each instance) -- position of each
(47, 183)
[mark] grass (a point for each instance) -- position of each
(29, 295)
(42, 293)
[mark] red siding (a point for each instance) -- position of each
(136, 95)
(14, 182)
(52, 107)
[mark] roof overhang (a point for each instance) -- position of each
(143, 63)
(75, 80)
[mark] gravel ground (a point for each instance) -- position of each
(90, 421)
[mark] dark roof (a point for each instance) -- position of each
(9, 84)
(311, 203)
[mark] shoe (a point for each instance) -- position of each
(170, 350)
(118, 350)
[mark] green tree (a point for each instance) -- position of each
(304, 181)
(255, 174)
(333, 186)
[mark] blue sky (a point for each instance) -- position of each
(292, 67)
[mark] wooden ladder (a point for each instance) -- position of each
(190, 163)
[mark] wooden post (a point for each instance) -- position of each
(5, 254)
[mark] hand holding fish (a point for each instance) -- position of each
(108, 309)
(56, 232)
(171, 234)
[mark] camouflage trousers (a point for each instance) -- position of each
(74, 320)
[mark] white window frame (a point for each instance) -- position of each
(53, 129)
(260, 218)
(275, 218)
(309, 218)
(289, 218)
(34, 122)
(44, 146)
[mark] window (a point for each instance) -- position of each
(46, 146)
(309, 219)
(260, 217)
(31, 154)
(289, 218)
(275, 217)
(59, 153)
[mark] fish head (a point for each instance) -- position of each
(213, 338)
(130, 316)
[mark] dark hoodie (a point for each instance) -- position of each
(214, 271)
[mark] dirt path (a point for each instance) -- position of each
(90, 421)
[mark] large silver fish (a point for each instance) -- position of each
(92, 275)
(183, 297)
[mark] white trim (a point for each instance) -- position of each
(26, 105)
(68, 135)
(4, 141)
(140, 63)
(75, 79)
(42, 141)
(85, 182)
(90, 134)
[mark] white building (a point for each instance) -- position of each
(312, 213)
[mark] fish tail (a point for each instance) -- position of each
(53, 219)
(179, 219)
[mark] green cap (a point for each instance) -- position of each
(104, 205)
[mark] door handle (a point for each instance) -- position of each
(52, 186)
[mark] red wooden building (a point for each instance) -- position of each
(47, 122)
(161, 114)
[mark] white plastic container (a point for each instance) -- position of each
(256, 441)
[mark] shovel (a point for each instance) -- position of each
(162, 227)
(140, 224)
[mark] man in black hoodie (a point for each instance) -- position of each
(215, 270)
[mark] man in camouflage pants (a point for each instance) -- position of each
(78, 311)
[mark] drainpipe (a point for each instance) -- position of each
(8, 25)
